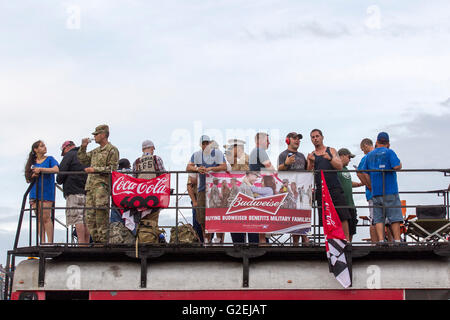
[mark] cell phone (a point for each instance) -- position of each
(290, 154)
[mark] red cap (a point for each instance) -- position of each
(66, 144)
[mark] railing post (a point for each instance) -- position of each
(176, 206)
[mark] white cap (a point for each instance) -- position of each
(204, 138)
(147, 144)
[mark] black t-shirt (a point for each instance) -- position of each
(300, 160)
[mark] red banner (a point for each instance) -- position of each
(332, 226)
(259, 203)
(133, 193)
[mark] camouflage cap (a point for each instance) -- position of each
(103, 128)
(345, 152)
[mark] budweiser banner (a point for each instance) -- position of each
(259, 202)
(133, 193)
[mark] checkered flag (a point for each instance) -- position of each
(338, 252)
(339, 261)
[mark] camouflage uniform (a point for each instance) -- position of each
(241, 165)
(102, 159)
(241, 162)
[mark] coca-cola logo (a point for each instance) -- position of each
(128, 186)
(328, 218)
(270, 204)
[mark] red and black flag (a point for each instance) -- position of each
(338, 251)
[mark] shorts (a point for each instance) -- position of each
(371, 211)
(337, 195)
(353, 221)
(200, 209)
(75, 215)
(391, 214)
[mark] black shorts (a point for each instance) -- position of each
(353, 221)
(337, 195)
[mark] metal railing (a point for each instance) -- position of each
(316, 236)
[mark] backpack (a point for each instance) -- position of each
(119, 234)
(186, 234)
(148, 232)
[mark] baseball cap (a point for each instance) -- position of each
(383, 137)
(103, 128)
(66, 144)
(147, 144)
(204, 138)
(294, 135)
(345, 152)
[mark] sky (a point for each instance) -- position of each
(171, 71)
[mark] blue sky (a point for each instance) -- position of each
(160, 71)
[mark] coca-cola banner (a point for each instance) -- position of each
(259, 202)
(133, 193)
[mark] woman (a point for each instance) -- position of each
(44, 168)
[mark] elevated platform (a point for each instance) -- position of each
(180, 272)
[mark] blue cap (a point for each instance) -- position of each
(383, 137)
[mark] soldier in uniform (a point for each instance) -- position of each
(236, 156)
(102, 159)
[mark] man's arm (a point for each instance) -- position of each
(365, 179)
(83, 156)
(191, 167)
(310, 161)
(357, 184)
(284, 163)
(220, 167)
(336, 160)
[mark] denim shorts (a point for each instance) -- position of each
(392, 214)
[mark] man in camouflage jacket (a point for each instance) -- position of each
(104, 159)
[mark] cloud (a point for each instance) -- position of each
(446, 103)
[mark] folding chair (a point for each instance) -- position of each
(431, 224)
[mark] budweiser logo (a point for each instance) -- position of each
(127, 185)
(270, 204)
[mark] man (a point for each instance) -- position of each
(384, 186)
(148, 162)
(202, 162)
(147, 166)
(292, 160)
(259, 159)
(236, 156)
(347, 184)
(326, 158)
(73, 189)
(366, 146)
(102, 161)
(192, 191)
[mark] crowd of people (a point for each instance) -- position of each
(87, 193)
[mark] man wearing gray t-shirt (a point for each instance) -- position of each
(289, 160)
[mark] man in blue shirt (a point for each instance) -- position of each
(384, 187)
(202, 162)
(366, 146)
